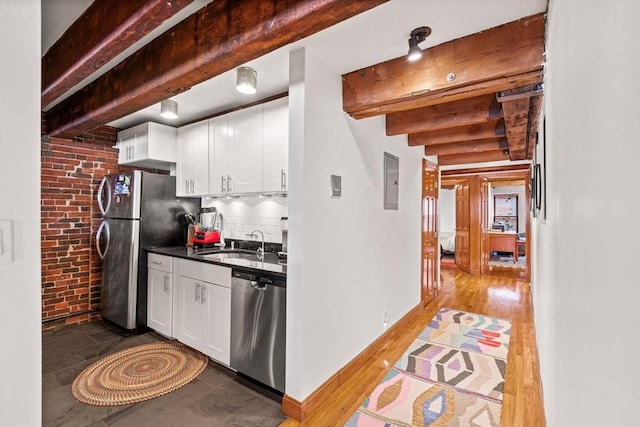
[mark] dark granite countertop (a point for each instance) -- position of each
(242, 259)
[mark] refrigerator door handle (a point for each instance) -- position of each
(104, 210)
(104, 226)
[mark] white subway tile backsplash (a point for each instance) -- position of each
(242, 216)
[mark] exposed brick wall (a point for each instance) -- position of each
(71, 268)
(71, 172)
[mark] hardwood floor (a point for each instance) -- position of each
(494, 296)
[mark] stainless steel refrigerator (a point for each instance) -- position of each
(140, 210)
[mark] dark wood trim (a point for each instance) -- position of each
(102, 32)
(489, 59)
(217, 38)
(300, 410)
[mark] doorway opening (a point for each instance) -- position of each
(484, 221)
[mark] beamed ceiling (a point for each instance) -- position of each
(471, 100)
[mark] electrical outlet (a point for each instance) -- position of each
(386, 319)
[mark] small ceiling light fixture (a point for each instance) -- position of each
(417, 36)
(247, 81)
(169, 109)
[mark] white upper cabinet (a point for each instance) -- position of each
(150, 145)
(243, 152)
(219, 146)
(236, 157)
(275, 145)
(192, 171)
(245, 159)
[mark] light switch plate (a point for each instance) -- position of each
(6, 241)
(336, 186)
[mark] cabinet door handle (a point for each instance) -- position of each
(283, 179)
(228, 183)
(203, 294)
(186, 186)
(156, 262)
(166, 283)
(192, 185)
(223, 184)
(197, 291)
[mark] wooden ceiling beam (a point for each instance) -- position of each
(485, 156)
(441, 96)
(516, 119)
(101, 33)
(535, 109)
(217, 38)
(490, 129)
(476, 110)
(466, 147)
(520, 92)
(505, 171)
(489, 58)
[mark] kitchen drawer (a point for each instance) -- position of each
(206, 272)
(216, 274)
(160, 262)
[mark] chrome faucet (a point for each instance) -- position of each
(260, 251)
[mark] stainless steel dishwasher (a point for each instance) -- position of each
(258, 310)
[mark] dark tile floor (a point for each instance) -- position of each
(218, 397)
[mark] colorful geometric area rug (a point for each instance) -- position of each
(451, 375)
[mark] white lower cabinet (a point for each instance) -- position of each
(202, 308)
(160, 294)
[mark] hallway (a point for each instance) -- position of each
(494, 296)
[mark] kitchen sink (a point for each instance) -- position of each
(228, 255)
(207, 252)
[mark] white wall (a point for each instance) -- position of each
(243, 215)
(349, 260)
(20, 358)
(522, 202)
(447, 209)
(585, 285)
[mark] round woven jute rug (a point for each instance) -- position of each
(138, 373)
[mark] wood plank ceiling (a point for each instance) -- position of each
(474, 99)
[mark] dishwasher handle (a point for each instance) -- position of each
(258, 286)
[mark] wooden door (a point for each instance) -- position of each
(463, 225)
(484, 226)
(430, 252)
